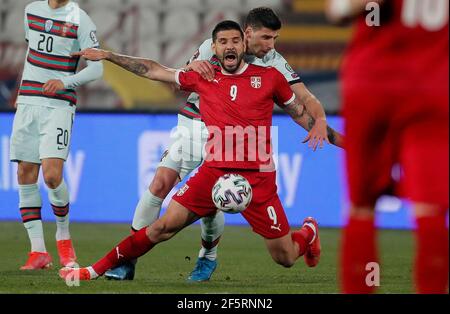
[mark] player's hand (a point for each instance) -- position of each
(317, 135)
(92, 54)
(204, 68)
(52, 86)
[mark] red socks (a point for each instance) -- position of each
(131, 247)
(358, 248)
(431, 264)
(303, 237)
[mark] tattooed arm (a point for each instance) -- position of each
(303, 118)
(140, 66)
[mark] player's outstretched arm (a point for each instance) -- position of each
(302, 117)
(319, 129)
(140, 66)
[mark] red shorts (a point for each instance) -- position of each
(383, 130)
(265, 213)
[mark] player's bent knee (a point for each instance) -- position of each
(52, 179)
(285, 262)
(283, 258)
(158, 187)
(163, 182)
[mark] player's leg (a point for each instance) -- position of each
(186, 207)
(211, 230)
(58, 196)
(25, 150)
(267, 217)
(149, 205)
(425, 155)
(358, 249)
(56, 127)
(30, 205)
(432, 248)
(147, 212)
(174, 220)
(369, 161)
(212, 226)
(166, 177)
(288, 248)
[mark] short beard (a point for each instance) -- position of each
(236, 67)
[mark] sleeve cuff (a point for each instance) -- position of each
(177, 76)
(290, 100)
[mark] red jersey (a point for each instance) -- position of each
(237, 110)
(407, 53)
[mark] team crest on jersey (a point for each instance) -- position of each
(65, 29)
(48, 25)
(255, 81)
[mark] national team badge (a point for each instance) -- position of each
(48, 25)
(65, 29)
(255, 81)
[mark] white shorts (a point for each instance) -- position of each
(186, 150)
(40, 132)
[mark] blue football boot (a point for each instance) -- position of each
(122, 272)
(203, 270)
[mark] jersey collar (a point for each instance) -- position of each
(238, 72)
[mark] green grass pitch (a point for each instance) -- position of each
(244, 264)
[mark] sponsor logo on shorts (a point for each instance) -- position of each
(278, 227)
(183, 189)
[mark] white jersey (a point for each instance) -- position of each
(272, 59)
(52, 35)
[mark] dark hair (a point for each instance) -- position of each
(262, 17)
(226, 26)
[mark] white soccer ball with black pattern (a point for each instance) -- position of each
(232, 193)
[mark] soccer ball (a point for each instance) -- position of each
(232, 193)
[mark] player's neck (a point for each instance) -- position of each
(242, 67)
(56, 4)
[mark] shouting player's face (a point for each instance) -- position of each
(229, 47)
(260, 41)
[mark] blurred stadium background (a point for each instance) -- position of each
(115, 147)
(170, 31)
(113, 156)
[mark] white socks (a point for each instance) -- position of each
(147, 210)
(36, 235)
(30, 204)
(59, 199)
(212, 229)
(92, 272)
